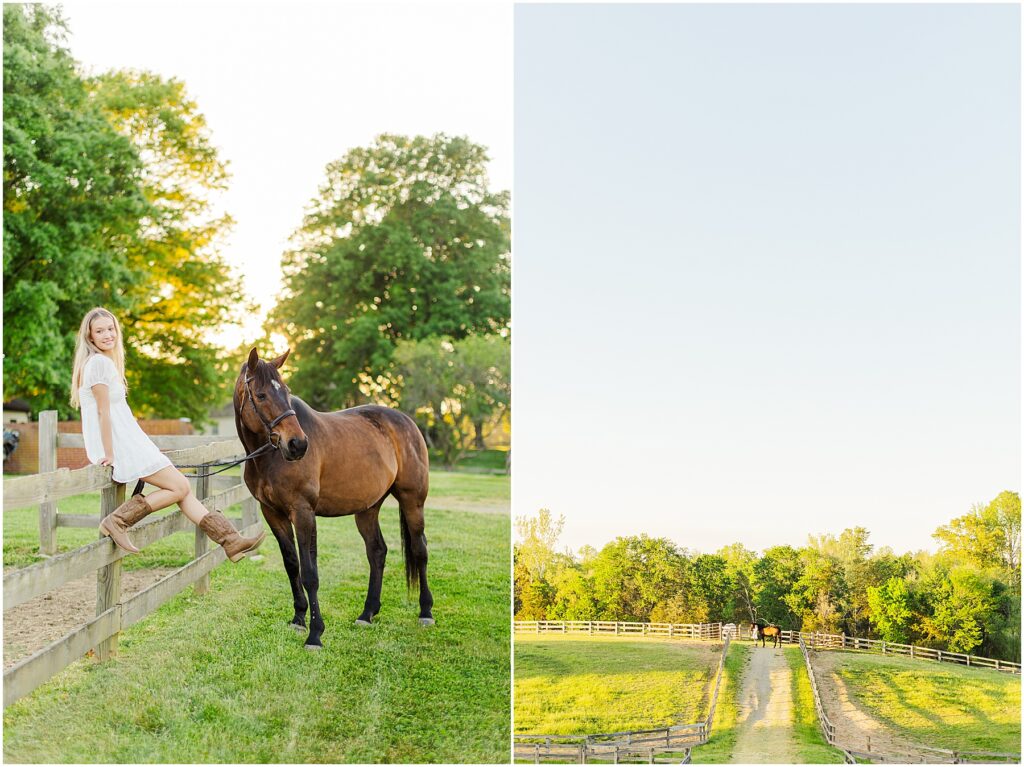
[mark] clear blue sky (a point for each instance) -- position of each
(766, 269)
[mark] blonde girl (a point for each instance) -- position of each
(114, 438)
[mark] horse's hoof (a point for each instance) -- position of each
(360, 622)
(297, 628)
(426, 621)
(314, 647)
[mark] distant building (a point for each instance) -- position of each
(223, 421)
(17, 411)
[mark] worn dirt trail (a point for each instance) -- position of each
(765, 725)
(855, 727)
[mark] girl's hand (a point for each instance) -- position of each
(107, 460)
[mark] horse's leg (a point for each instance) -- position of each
(414, 545)
(281, 527)
(368, 524)
(305, 532)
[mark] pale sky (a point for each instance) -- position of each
(767, 269)
(288, 87)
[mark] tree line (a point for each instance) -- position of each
(397, 282)
(965, 597)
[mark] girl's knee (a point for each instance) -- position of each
(182, 490)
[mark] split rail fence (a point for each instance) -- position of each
(816, 640)
(714, 631)
(663, 745)
(113, 614)
(919, 754)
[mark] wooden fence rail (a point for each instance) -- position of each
(816, 640)
(104, 557)
(711, 631)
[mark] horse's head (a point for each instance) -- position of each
(263, 405)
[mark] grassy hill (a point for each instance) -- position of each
(569, 685)
(938, 705)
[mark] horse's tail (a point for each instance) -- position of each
(412, 568)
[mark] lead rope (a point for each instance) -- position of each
(226, 464)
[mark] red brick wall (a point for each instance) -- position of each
(25, 458)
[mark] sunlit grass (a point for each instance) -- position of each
(810, 744)
(939, 705)
(568, 685)
(724, 729)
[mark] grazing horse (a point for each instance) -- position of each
(331, 465)
(768, 630)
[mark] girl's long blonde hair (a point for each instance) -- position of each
(85, 348)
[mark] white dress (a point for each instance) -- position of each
(135, 455)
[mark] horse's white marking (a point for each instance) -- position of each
(276, 385)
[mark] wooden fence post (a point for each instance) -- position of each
(108, 579)
(47, 463)
(202, 490)
(250, 511)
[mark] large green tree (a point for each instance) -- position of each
(405, 240)
(107, 201)
(189, 289)
(73, 200)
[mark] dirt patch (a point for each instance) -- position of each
(856, 729)
(765, 722)
(32, 626)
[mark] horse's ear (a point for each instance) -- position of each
(254, 357)
(280, 360)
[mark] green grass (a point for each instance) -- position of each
(489, 460)
(571, 685)
(719, 749)
(810, 746)
(478, 488)
(938, 705)
(222, 678)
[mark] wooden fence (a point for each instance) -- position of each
(104, 557)
(853, 752)
(624, 628)
(816, 640)
(842, 642)
(663, 745)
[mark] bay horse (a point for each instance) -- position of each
(768, 630)
(331, 465)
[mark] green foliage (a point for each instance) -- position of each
(964, 599)
(188, 288)
(891, 610)
(404, 241)
(72, 205)
(456, 390)
(106, 202)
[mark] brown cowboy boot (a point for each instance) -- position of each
(220, 530)
(116, 523)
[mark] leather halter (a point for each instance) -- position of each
(269, 425)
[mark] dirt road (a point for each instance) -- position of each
(765, 732)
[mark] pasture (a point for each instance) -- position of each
(222, 678)
(572, 684)
(937, 705)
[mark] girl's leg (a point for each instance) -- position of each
(174, 488)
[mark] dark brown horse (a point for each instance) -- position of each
(331, 465)
(769, 630)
